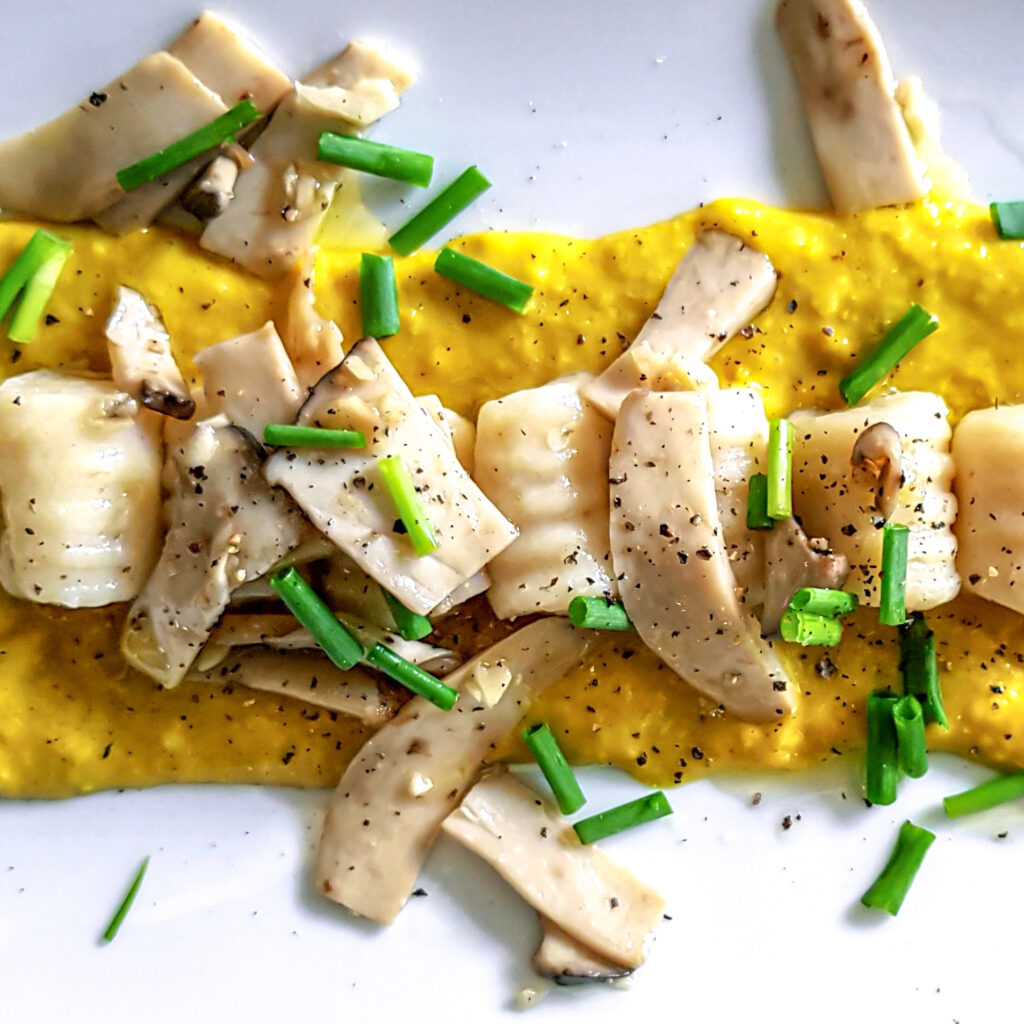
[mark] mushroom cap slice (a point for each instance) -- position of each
(387, 810)
(568, 962)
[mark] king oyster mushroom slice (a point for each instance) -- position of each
(345, 497)
(675, 577)
(542, 456)
(579, 887)
(251, 380)
(313, 342)
(281, 200)
(568, 962)
(388, 808)
(861, 139)
(833, 501)
(229, 66)
(66, 169)
(719, 286)
(141, 362)
(80, 487)
(227, 525)
(461, 432)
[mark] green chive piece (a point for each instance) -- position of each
(549, 756)
(618, 819)
(823, 601)
(810, 630)
(32, 304)
(484, 280)
(597, 613)
(376, 158)
(41, 247)
(881, 768)
(893, 608)
(220, 129)
(408, 504)
(920, 667)
(412, 677)
(890, 888)
(1000, 790)
(330, 635)
(126, 904)
(378, 296)
(288, 436)
(757, 503)
(908, 718)
(441, 210)
(780, 462)
(914, 326)
(410, 625)
(1008, 219)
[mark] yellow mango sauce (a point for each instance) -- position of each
(74, 719)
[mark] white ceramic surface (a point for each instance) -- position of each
(588, 116)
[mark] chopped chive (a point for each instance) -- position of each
(823, 601)
(881, 769)
(483, 279)
(220, 129)
(808, 629)
(126, 904)
(376, 158)
(441, 210)
(1008, 219)
(408, 504)
(892, 610)
(1000, 790)
(378, 296)
(908, 718)
(890, 888)
(757, 503)
(32, 304)
(330, 635)
(618, 819)
(412, 677)
(287, 435)
(597, 613)
(920, 667)
(549, 756)
(779, 502)
(40, 247)
(410, 625)
(914, 326)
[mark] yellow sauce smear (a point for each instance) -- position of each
(74, 719)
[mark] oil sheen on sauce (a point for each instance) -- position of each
(74, 719)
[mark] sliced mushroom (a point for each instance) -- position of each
(226, 526)
(878, 453)
(80, 488)
(141, 361)
(863, 145)
(719, 286)
(541, 456)
(208, 195)
(344, 495)
(387, 810)
(580, 888)
(476, 585)
(792, 561)
(568, 962)
(461, 432)
(675, 577)
(313, 342)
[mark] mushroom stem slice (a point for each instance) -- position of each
(568, 962)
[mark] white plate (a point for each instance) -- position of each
(587, 116)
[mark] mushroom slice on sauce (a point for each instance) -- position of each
(80, 487)
(568, 962)
(226, 525)
(542, 456)
(345, 497)
(675, 577)
(251, 380)
(719, 286)
(461, 432)
(879, 453)
(579, 887)
(833, 501)
(313, 342)
(305, 675)
(388, 808)
(861, 139)
(66, 169)
(140, 357)
(988, 449)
